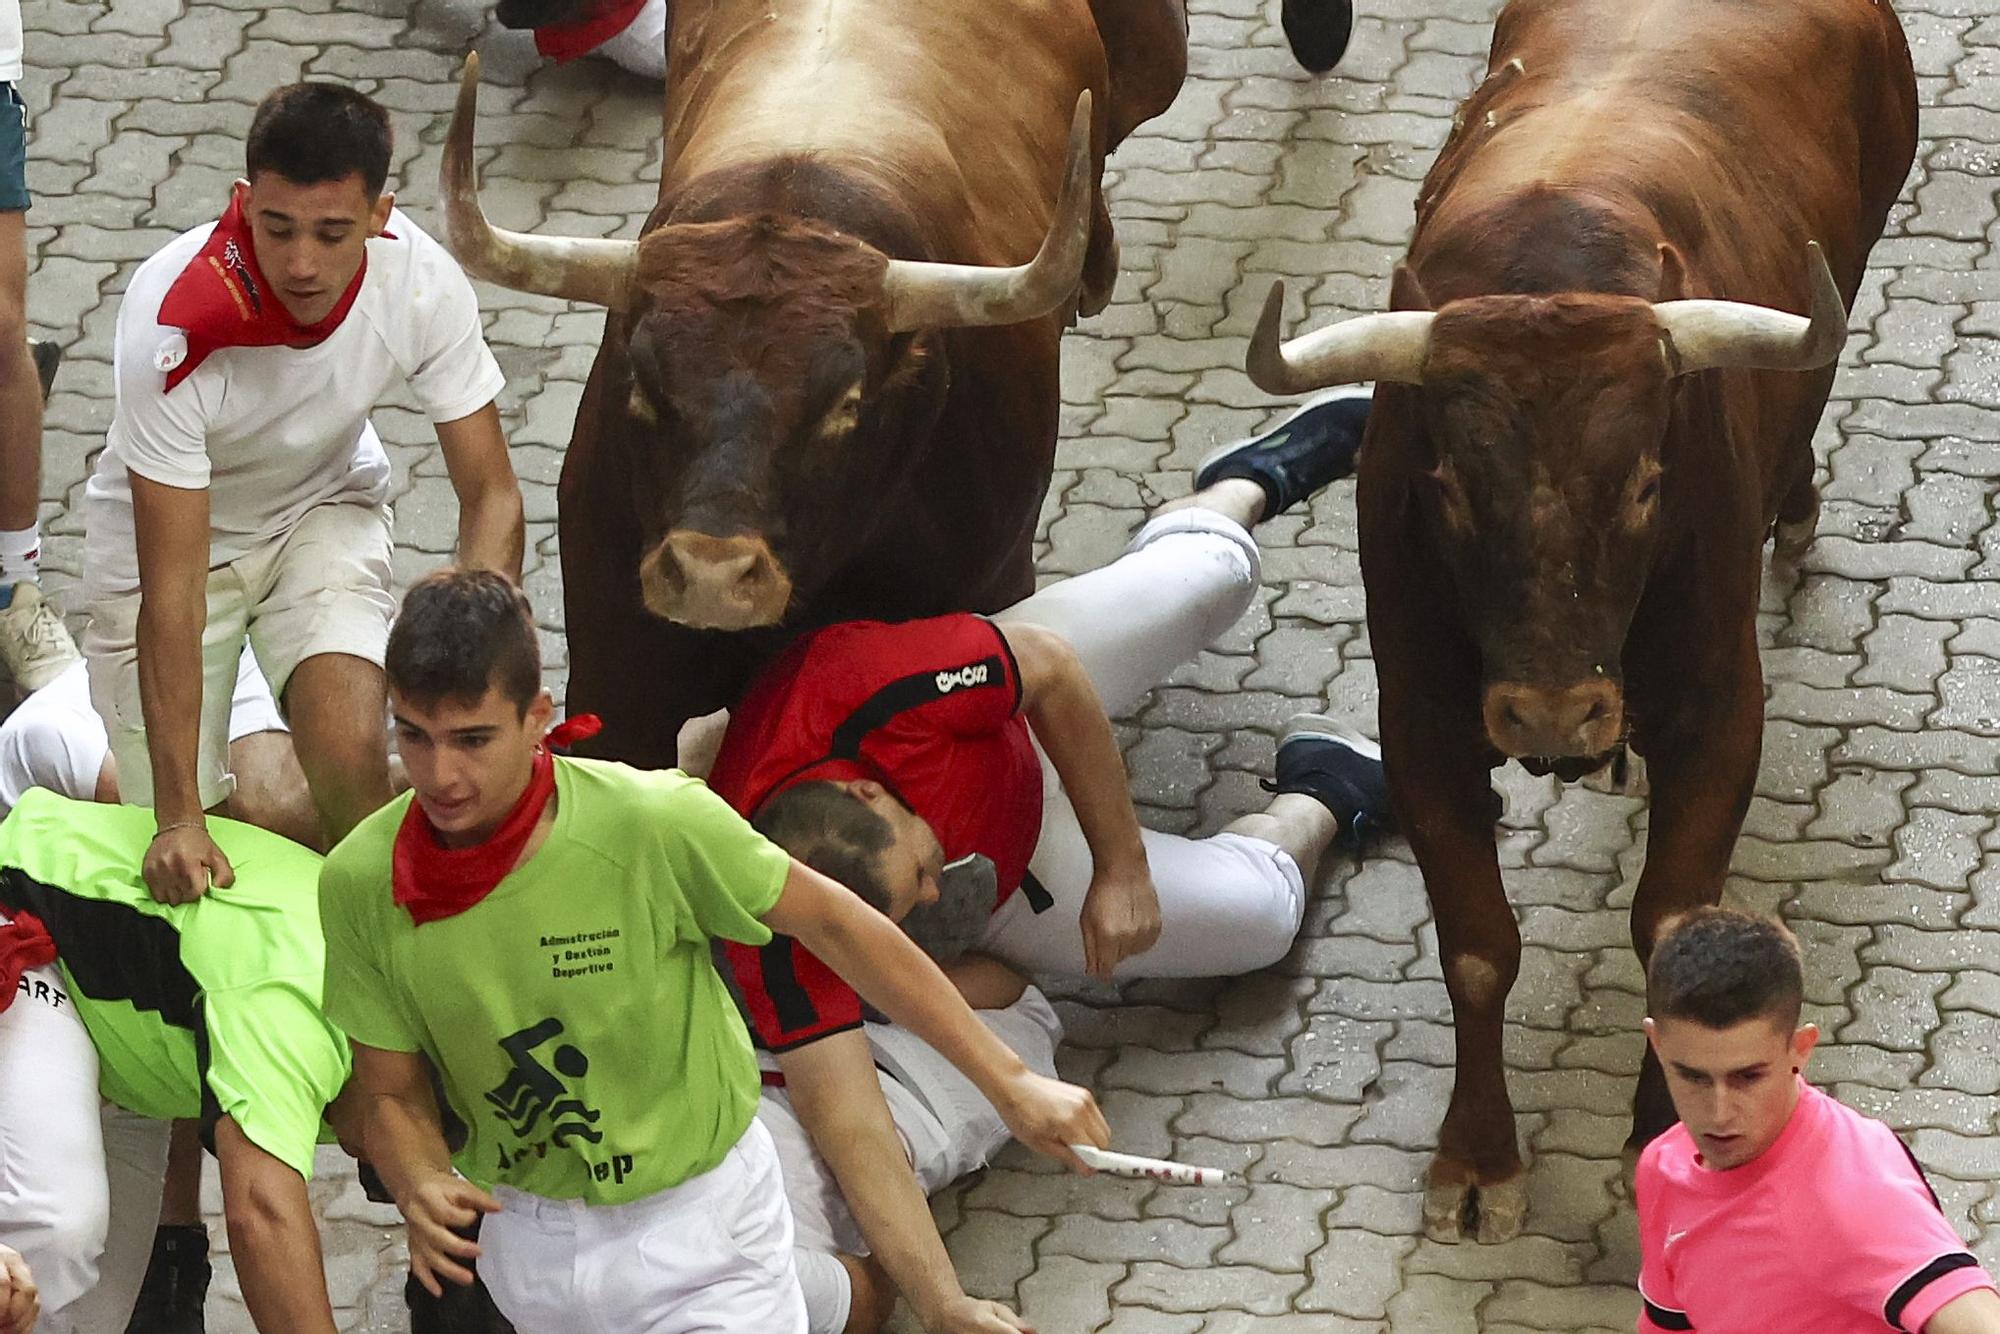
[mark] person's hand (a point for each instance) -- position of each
(1048, 1116)
(435, 1210)
(1121, 917)
(182, 862)
(20, 1304)
(969, 1315)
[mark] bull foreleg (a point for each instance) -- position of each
(1445, 802)
(1703, 772)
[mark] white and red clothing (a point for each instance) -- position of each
(632, 33)
(947, 1126)
(297, 480)
(1832, 1229)
(932, 710)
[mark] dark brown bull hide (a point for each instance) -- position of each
(1571, 468)
(779, 432)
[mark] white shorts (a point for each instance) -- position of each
(56, 740)
(79, 1178)
(322, 588)
(712, 1255)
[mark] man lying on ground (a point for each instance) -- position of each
(206, 1011)
(960, 774)
(1771, 1206)
(540, 930)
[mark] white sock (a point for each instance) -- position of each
(20, 554)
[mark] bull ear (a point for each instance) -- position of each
(1673, 273)
(1405, 292)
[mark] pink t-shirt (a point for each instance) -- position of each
(1832, 1229)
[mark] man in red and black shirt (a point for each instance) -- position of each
(961, 774)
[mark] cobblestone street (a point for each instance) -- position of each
(1873, 830)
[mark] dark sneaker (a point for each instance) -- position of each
(47, 357)
(1340, 769)
(176, 1286)
(1312, 447)
(1318, 31)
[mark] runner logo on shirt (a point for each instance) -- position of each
(533, 1090)
(972, 674)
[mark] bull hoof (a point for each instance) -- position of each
(1454, 1204)
(1793, 538)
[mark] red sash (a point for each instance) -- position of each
(566, 41)
(24, 943)
(222, 300)
(431, 881)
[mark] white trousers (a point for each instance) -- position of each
(79, 1178)
(712, 1255)
(1229, 904)
(642, 47)
(948, 1130)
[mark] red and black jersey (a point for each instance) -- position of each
(931, 710)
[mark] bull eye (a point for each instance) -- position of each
(842, 418)
(1650, 492)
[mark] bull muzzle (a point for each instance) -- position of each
(1583, 719)
(715, 583)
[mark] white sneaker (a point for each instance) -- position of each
(34, 643)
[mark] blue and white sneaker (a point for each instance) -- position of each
(1341, 769)
(1309, 449)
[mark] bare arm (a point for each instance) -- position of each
(1121, 911)
(1976, 1312)
(833, 1088)
(490, 528)
(403, 1139)
(272, 1237)
(897, 978)
(171, 525)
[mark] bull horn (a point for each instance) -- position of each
(1708, 335)
(1390, 345)
(572, 268)
(920, 295)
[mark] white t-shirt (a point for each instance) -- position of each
(272, 432)
(10, 41)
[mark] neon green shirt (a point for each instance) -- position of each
(574, 1013)
(205, 1009)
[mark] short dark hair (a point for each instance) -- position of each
(1721, 966)
(314, 132)
(460, 631)
(835, 833)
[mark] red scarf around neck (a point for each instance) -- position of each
(562, 42)
(222, 299)
(24, 943)
(431, 881)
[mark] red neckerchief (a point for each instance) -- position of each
(24, 943)
(222, 300)
(431, 881)
(566, 41)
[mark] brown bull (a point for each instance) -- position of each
(828, 384)
(1579, 446)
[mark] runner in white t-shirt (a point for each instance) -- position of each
(242, 489)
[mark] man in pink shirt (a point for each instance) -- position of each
(1772, 1208)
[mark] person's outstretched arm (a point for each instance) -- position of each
(874, 957)
(490, 527)
(1121, 910)
(835, 1092)
(272, 1237)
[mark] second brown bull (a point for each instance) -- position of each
(828, 382)
(1592, 410)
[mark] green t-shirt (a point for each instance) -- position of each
(199, 1010)
(574, 1013)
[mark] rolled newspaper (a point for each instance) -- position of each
(1156, 1169)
